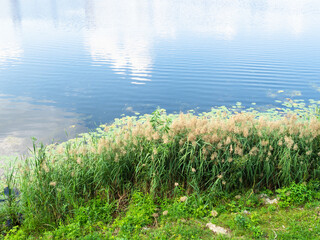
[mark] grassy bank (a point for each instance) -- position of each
(243, 216)
(119, 181)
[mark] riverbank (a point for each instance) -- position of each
(246, 215)
(147, 175)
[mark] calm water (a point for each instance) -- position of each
(66, 66)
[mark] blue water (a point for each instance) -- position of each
(66, 66)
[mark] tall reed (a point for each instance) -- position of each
(217, 151)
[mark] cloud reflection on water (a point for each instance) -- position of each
(119, 34)
(10, 43)
(123, 34)
(23, 118)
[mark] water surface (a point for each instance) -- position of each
(66, 66)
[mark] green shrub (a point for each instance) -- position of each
(296, 194)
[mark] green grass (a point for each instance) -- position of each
(142, 218)
(114, 181)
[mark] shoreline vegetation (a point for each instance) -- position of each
(169, 176)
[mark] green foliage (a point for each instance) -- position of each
(249, 222)
(10, 210)
(296, 194)
(93, 236)
(144, 219)
(208, 158)
(214, 152)
(13, 233)
(237, 203)
(158, 122)
(94, 211)
(180, 229)
(70, 231)
(195, 206)
(140, 213)
(271, 208)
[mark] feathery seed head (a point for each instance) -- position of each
(213, 155)
(191, 137)
(45, 167)
(165, 139)
(214, 213)
(60, 149)
(156, 136)
(245, 132)
(53, 184)
(231, 149)
(253, 151)
(126, 136)
(79, 160)
(155, 151)
(288, 141)
(238, 150)
(183, 199)
(204, 151)
(227, 141)
(264, 143)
